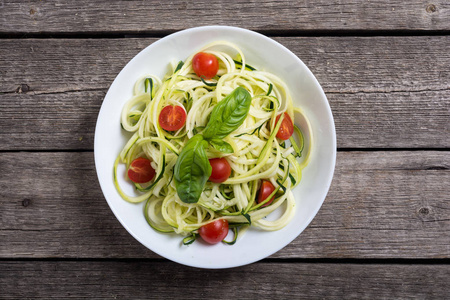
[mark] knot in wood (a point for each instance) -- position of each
(424, 211)
(23, 88)
(431, 8)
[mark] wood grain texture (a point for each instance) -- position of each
(154, 16)
(341, 64)
(65, 121)
(160, 280)
(383, 231)
(380, 99)
(380, 205)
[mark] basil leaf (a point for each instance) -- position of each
(228, 114)
(197, 130)
(221, 146)
(192, 170)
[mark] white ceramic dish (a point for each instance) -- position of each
(264, 53)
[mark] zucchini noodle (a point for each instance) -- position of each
(258, 154)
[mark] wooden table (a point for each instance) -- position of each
(384, 229)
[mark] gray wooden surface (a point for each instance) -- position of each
(381, 204)
(395, 98)
(266, 280)
(383, 231)
(149, 16)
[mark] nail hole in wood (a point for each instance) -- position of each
(26, 202)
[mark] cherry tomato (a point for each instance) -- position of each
(286, 128)
(172, 118)
(221, 170)
(214, 232)
(265, 190)
(205, 65)
(141, 170)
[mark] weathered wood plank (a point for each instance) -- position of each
(50, 121)
(403, 93)
(363, 120)
(392, 120)
(154, 16)
(380, 205)
(341, 64)
(160, 280)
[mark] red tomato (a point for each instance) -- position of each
(221, 170)
(214, 232)
(141, 170)
(172, 118)
(205, 65)
(286, 128)
(265, 190)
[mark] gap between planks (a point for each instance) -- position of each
(353, 261)
(339, 149)
(269, 33)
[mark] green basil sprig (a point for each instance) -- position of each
(228, 114)
(221, 145)
(192, 168)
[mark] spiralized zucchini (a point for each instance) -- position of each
(258, 154)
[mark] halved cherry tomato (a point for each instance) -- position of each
(214, 232)
(172, 117)
(286, 128)
(265, 190)
(221, 170)
(205, 65)
(141, 170)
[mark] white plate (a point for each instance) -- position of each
(264, 53)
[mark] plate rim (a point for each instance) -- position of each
(200, 29)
